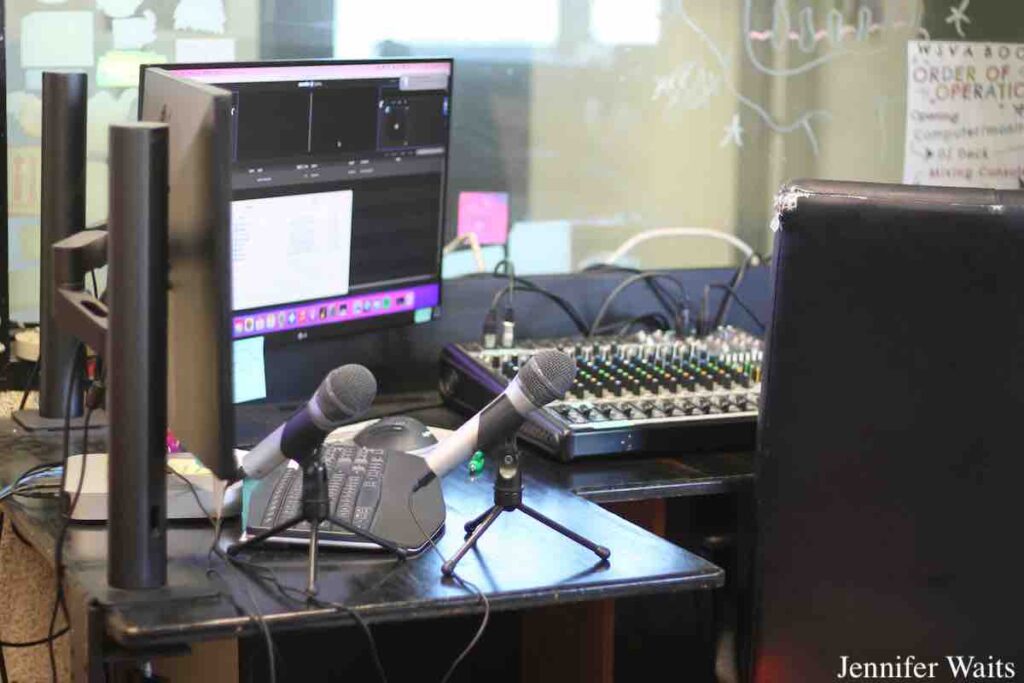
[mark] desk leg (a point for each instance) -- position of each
(87, 630)
(574, 642)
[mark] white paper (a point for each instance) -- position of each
(105, 109)
(204, 50)
(965, 114)
(51, 39)
(118, 9)
(134, 32)
(200, 15)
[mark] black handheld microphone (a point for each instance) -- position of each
(344, 394)
(544, 377)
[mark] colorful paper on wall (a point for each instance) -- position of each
(57, 39)
(965, 114)
(105, 109)
(23, 168)
(485, 214)
(27, 109)
(200, 15)
(134, 33)
(541, 247)
(118, 9)
(120, 68)
(204, 50)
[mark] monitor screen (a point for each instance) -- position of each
(337, 193)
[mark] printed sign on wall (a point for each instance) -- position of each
(965, 114)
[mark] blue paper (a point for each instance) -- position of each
(249, 370)
(541, 247)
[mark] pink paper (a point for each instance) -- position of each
(485, 214)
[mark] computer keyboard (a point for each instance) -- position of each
(354, 483)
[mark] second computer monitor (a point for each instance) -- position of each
(338, 188)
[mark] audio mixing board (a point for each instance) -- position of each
(637, 394)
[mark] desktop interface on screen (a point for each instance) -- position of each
(337, 191)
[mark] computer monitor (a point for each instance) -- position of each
(199, 346)
(338, 174)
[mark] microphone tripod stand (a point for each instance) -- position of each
(508, 497)
(316, 509)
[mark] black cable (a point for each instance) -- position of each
(95, 288)
(28, 384)
(659, 291)
(653, 319)
(734, 282)
(240, 564)
(465, 584)
(37, 641)
(619, 288)
(298, 596)
(525, 285)
(256, 614)
(736, 297)
(58, 553)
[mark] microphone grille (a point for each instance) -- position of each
(346, 393)
(546, 376)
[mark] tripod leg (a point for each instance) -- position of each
(370, 536)
(474, 523)
(314, 546)
(598, 550)
(264, 535)
(448, 568)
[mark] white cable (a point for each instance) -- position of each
(656, 233)
(473, 242)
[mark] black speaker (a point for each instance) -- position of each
(137, 355)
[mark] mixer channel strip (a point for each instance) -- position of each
(646, 394)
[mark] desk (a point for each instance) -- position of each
(519, 565)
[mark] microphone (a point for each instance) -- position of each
(345, 393)
(544, 377)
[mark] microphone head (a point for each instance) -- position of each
(546, 376)
(346, 393)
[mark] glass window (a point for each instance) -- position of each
(579, 123)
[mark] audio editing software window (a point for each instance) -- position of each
(337, 193)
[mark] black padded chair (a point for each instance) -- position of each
(890, 477)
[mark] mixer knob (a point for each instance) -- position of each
(615, 387)
(496, 362)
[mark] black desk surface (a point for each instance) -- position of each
(519, 563)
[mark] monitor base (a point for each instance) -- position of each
(32, 421)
